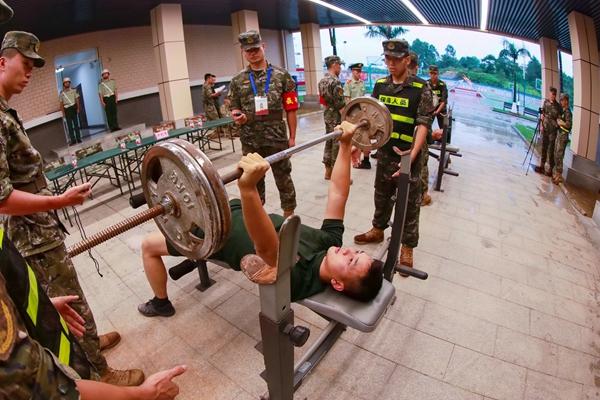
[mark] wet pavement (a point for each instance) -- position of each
(510, 310)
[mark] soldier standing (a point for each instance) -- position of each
(331, 96)
(565, 122)
(550, 113)
(69, 104)
(107, 91)
(259, 96)
(439, 90)
(410, 103)
(29, 219)
(210, 98)
(355, 87)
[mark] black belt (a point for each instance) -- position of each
(271, 116)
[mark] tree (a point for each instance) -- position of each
(427, 53)
(511, 52)
(385, 31)
(449, 57)
(469, 62)
(488, 64)
(533, 71)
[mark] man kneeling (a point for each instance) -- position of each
(321, 259)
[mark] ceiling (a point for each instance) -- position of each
(527, 19)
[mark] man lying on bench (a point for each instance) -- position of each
(321, 259)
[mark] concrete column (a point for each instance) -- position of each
(287, 39)
(550, 70)
(586, 81)
(242, 21)
(169, 48)
(313, 58)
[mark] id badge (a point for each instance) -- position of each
(261, 105)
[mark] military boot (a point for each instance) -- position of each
(364, 164)
(128, 377)
(406, 257)
(328, 173)
(375, 235)
(426, 200)
(109, 340)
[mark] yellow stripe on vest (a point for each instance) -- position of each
(401, 136)
(417, 84)
(1, 238)
(394, 101)
(402, 118)
(64, 352)
(32, 298)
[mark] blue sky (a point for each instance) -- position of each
(353, 46)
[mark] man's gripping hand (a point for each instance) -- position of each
(347, 129)
(255, 167)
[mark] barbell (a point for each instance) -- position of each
(187, 197)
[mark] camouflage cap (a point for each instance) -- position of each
(395, 47)
(250, 40)
(433, 68)
(26, 43)
(6, 13)
(330, 60)
(356, 66)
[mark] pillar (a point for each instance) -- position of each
(287, 39)
(169, 49)
(550, 70)
(586, 81)
(242, 21)
(313, 58)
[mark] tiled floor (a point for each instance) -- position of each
(510, 310)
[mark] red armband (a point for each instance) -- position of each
(290, 101)
(322, 101)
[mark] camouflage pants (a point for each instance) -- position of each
(331, 146)
(56, 274)
(562, 139)
(282, 172)
(385, 197)
(548, 143)
(424, 168)
(211, 111)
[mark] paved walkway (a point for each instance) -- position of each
(510, 310)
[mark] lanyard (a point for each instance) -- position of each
(269, 70)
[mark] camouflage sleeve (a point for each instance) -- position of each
(6, 187)
(425, 107)
(288, 83)
(337, 95)
(234, 95)
(568, 120)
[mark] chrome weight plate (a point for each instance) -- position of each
(200, 220)
(379, 127)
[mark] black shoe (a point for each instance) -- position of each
(79, 141)
(375, 155)
(151, 308)
(72, 143)
(364, 164)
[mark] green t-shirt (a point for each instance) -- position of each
(313, 246)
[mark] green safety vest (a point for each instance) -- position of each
(403, 105)
(33, 304)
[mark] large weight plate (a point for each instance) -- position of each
(379, 128)
(178, 169)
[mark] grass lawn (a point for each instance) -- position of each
(525, 131)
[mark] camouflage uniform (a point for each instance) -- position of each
(562, 139)
(331, 94)
(27, 370)
(410, 104)
(234, 129)
(551, 111)
(266, 134)
(211, 105)
(39, 237)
